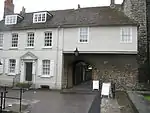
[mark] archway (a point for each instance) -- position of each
(81, 73)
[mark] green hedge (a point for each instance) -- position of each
(24, 84)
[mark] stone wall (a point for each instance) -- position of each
(136, 10)
(121, 69)
(148, 30)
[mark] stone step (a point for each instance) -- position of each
(68, 91)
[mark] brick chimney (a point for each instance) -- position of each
(8, 7)
(22, 13)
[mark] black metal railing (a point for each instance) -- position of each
(4, 96)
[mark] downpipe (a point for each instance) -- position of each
(57, 50)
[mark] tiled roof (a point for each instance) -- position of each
(92, 16)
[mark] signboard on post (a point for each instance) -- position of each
(106, 89)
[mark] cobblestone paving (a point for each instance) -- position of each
(109, 106)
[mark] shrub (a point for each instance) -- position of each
(24, 84)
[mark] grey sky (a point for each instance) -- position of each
(38, 5)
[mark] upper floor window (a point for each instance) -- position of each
(39, 17)
(48, 39)
(84, 35)
(46, 67)
(14, 40)
(126, 35)
(1, 40)
(30, 40)
(10, 19)
(12, 65)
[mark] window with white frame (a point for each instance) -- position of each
(46, 67)
(14, 40)
(12, 65)
(126, 35)
(30, 40)
(10, 19)
(39, 17)
(84, 34)
(1, 40)
(48, 39)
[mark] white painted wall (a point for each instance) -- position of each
(38, 50)
(101, 39)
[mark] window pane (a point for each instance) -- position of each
(126, 35)
(83, 34)
(10, 19)
(40, 17)
(30, 40)
(15, 40)
(48, 39)
(12, 64)
(46, 67)
(1, 40)
(43, 17)
(35, 18)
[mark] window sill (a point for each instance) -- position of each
(126, 42)
(47, 47)
(83, 42)
(45, 76)
(29, 47)
(11, 74)
(13, 48)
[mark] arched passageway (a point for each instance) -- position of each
(81, 72)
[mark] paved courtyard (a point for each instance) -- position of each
(54, 102)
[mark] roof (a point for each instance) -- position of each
(91, 16)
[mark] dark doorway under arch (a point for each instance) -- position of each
(81, 73)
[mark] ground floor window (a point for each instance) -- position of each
(12, 65)
(46, 67)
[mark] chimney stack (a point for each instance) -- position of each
(8, 7)
(23, 11)
(79, 6)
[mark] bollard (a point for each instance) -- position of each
(1, 107)
(5, 92)
(113, 90)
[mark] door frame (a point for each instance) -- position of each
(23, 70)
(26, 71)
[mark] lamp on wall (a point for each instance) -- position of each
(76, 52)
(90, 67)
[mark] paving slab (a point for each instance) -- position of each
(109, 105)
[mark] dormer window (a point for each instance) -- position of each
(40, 17)
(11, 19)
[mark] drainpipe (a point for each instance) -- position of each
(57, 50)
(62, 58)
